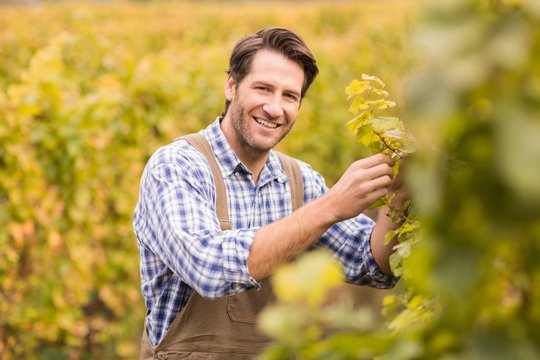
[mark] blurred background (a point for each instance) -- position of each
(89, 90)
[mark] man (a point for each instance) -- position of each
(204, 284)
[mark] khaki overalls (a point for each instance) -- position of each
(223, 328)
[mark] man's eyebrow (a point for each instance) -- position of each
(267, 84)
(262, 82)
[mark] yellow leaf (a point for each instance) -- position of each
(356, 87)
(308, 280)
(373, 78)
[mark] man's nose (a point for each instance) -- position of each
(273, 107)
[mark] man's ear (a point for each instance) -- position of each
(230, 88)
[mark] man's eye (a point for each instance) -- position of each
(292, 97)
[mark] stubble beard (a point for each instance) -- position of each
(240, 123)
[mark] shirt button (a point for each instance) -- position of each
(161, 355)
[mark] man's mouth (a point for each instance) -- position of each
(265, 123)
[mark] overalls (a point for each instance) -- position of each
(223, 328)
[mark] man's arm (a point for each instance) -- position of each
(364, 182)
(382, 252)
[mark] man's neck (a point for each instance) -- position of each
(252, 159)
(255, 164)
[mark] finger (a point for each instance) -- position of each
(374, 160)
(372, 197)
(365, 189)
(376, 172)
(381, 182)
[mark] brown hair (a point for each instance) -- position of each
(281, 40)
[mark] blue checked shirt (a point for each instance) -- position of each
(182, 247)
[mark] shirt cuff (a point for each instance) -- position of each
(236, 249)
(374, 277)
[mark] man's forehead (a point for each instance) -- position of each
(267, 62)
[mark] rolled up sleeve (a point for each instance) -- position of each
(349, 240)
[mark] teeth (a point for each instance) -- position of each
(266, 123)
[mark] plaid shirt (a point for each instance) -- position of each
(182, 247)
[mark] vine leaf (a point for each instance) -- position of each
(373, 129)
(380, 132)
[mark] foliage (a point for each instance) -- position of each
(380, 134)
(475, 104)
(319, 314)
(333, 328)
(85, 100)
(387, 135)
(471, 284)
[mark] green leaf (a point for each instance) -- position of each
(359, 121)
(389, 236)
(358, 103)
(380, 202)
(396, 264)
(382, 124)
(368, 138)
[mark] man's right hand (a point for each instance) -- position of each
(362, 183)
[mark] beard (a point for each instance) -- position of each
(246, 138)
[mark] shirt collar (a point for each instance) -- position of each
(229, 163)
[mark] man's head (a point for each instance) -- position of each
(280, 40)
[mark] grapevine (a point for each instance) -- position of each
(381, 133)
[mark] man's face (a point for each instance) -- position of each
(265, 104)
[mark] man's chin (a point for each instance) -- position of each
(265, 146)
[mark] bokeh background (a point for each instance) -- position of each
(89, 90)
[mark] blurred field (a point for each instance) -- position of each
(89, 90)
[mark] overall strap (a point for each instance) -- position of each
(199, 142)
(291, 167)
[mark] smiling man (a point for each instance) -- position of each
(219, 211)
(264, 106)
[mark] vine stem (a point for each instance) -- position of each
(395, 151)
